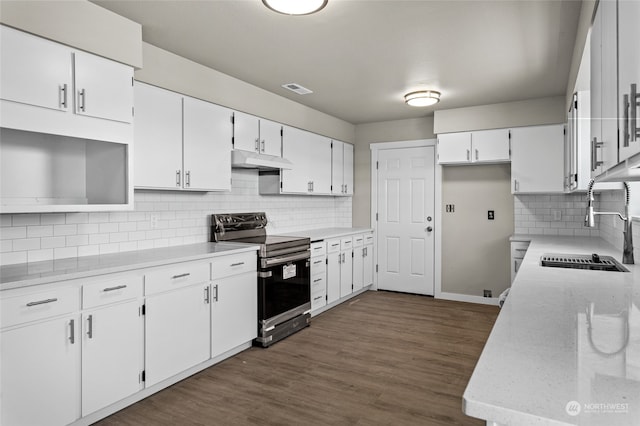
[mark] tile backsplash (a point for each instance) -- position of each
(160, 219)
(557, 214)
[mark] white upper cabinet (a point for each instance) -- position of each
(318, 153)
(251, 133)
(482, 146)
(629, 77)
(294, 149)
(341, 168)
(103, 88)
(158, 138)
(181, 143)
(537, 159)
(206, 146)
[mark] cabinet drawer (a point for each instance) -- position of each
(233, 264)
(518, 249)
(368, 239)
(346, 243)
(318, 282)
(358, 240)
(333, 245)
(111, 290)
(318, 248)
(318, 264)
(36, 306)
(176, 276)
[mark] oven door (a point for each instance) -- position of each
(284, 288)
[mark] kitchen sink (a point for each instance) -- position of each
(582, 261)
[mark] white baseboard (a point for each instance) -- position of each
(468, 298)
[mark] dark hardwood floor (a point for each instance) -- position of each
(380, 359)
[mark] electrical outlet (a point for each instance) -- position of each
(154, 220)
(487, 293)
(557, 215)
(491, 214)
(450, 208)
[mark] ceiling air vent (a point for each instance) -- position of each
(294, 87)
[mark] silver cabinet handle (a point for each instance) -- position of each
(317, 262)
(72, 329)
(175, 277)
(318, 297)
(90, 326)
(207, 295)
(364, 252)
(317, 279)
(178, 178)
(634, 103)
(625, 123)
(63, 96)
(82, 99)
(476, 155)
(339, 259)
(237, 264)
(118, 287)
(594, 154)
(187, 178)
(42, 302)
(468, 155)
(215, 296)
(257, 145)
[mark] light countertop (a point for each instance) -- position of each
(565, 340)
(35, 273)
(326, 233)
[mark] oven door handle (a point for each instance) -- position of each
(281, 260)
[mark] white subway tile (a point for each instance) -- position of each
(118, 216)
(136, 236)
(52, 242)
(88, 228)
(13, 258)
(5, 220)
(98, 238)
(59, 230)
(109, 248)
(108, 227)
(6, 246)
(128, 246)
(39, 231)
(52, 219)
(127, 226)
(13, 233)
(26, 244)
(65, 252)
(89, 250)
(25, 219)
(118, 237)
(98, 217)
(77, 240)
(39, 255)
(77, 218)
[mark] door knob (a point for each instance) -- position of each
(429, 229)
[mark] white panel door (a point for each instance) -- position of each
(207, 146)
(406, 239)
(112, 355)
(490, 145)
(628, 74)
(454, 148)
(103, 88)
(158, 138)
(270, 138)
(246, 130)
(35, 71)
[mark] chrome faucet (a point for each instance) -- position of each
(590, 220)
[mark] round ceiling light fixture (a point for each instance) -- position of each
(422, 98)
(295, 7)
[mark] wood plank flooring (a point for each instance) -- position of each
(381, 359)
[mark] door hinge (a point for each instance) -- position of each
(376, 267)
(233, 119)
(326, 261)
(377, 165)
(376, 217)
(131, 81)
(281, 132)
(351, 253)
(575, 104)
(280, 184)
(233, 142)
(331, 144)
(144, 309)
(564, 131)
(143, 376)
(326, 297)
(509, 134)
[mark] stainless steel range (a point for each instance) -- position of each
(284, 283)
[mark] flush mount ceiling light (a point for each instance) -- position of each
(422, 98)
(295, 7)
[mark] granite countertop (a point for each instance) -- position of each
(35, 273)
(565, 349)
(326, 233)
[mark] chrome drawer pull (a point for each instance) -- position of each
(90, 326)
(237, 264)
(72, 327)
(317, 279)
(118, 287)
(317, 262)
(42, 302)
(317, 298)
(175, 277)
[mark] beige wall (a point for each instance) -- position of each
(496, 116)
(78, 24)
(366, 134)
(165, 69)
(475, 251)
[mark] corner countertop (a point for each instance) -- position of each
(326, 233)
(565, 349)
(35, 273)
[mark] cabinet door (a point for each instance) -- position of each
(337, 168)
(112, 354)
(537, 159)
(348, 169)
(103, 88)
(246, 131)
(346, 273)
(490, 145)
(319, 163)
(206, 146)
(596, 91)
(234, 312)
(367, 266)
(158, 138)
(358, 265)
(454, 148)
(35, 71)
(295, 145)
(178, 332)
(270, 138)
(334, 261)
(40, 372)
(628, 74)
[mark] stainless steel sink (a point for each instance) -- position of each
(582, 261)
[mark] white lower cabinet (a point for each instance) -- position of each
(40, 372)
(367, 263)
(318, 275)
(362, 261)
(177, 326)
(518, 250)
(339, 268)
(234, 312)
(112, 354)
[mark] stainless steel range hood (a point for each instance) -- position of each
(253, 160)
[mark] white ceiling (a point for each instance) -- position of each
(361, 56)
